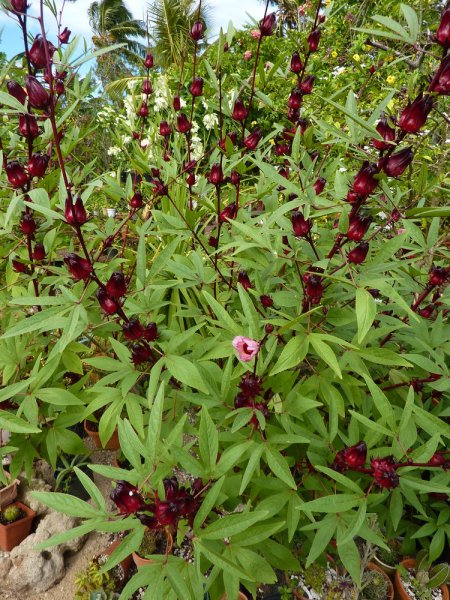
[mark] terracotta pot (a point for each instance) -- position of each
(402, 594)
(8, 493)
(125, 563)
(373, 567)
(241, 596)
(140, 561)
(11, 535)
(112, 443)
(388, 569)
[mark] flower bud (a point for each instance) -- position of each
(353, 197)
(266, 301)
(19, 6)
(147, 87)
(37, 52)
(79, 268)
(319, 185)
(252, 140)
(268, 328)
(307, 84)
(216, 174)
(116, 285)
(136, 200)
(151, 332)
(37, 165)
(295, 99)
(282, 149)
(300, 225)
(437, 460)
(358, 254)
(17, 91)
(177, 103)
(212, 241)
(235, 178)
(365, 182)
(109, 305)
(443, 31)
(438, 275)
(28, 224)
(296, 63)
(37, 94)
(196, 87)
(148, 62)
(127, 498)
(140, 353)
(267, 24)
(64, 36)
(239, 111)
(313, 288)
(383, 471)
(39, 252)
(386, 132)
(197, 31)
(229, 212)
(165, 129)
(244, 280)
(190, 179)
(18, 266)
(440, 83)
(143, 111)
(414, 116)
(59, 88)
(396, 164)
(313, 40)
(16, 174)
(133, 330)
(358, 227)
(427, 311)
(183, 123)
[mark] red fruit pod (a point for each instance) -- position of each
(244, 280)
(143, 111)
(133, 330)
(440, 83)
(358, 254)
(140, 353)
(364, 182)
(313, 40)
(313, 288)
(151, 332)
(80, 212)
(443, 31)
(267, 24)
(165, 129)
(251, 141)
(266, 301)
(127, 498)
(295, 99)
(196, 87)
(28, 224)
(183, 123)
(16, 174)
(17, 91)
(358, 227)
(239, 111)
(190, 179)
(116, 285)
(427, 311)
(229, 212)
(37, 164)
(37, 94)
(438, 275)
(19, 6)
(300, 225)
(136, 201)
(197, 31)
(177, 103)
(216, 174)
(307, 84)
(39, 252)
(59, 88)
(64, 36)
(18, 266)
(397, 163)
(235, 178)
(355, 456)
(79, 268)
(414, 116)
(296, 63)
(386, 132)
(37, 52)
(148, 62)
(319, 185)
(147, 87)
(109, 305)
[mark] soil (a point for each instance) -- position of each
(95, 543)
(22, 514)
(436, 594)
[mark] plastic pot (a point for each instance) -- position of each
(140, 561)
(8, 493)
(402, 594)
(112, 443)
(13, 534)
(111, 212)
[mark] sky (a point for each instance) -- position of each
(75, 18)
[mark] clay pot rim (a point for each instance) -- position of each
(400, 588)
(29, 513)
(169, 540)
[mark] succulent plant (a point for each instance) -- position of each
(375, 586)
(11, 513)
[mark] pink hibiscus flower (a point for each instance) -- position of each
(246, 347)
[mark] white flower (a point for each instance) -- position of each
(342, 169)
(205, 104)
(126, 139)
(114, 151)
(210, 120)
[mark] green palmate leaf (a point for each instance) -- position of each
(325, 353)
(130, 444)
(346, 482)
(231, 525)
(333, 504)
(11, 422)
(279, 466)
(58, 396)
(223, 317)
(354, 117)
(252, 466)
(366, 310)
(185, 371)
(383, 356)
(154, 425)
(208, 504)
(67, 504)
(208, 440)
(91, 489)
(66, 536)
(292, 354)
(221, 561)
(42, 321)
(325, 531)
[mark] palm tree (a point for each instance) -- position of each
(171, 22)
(113, 23)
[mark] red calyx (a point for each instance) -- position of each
(307, 84)
(79, 268)
(196, 87)
(116, 286)
(37, 52)
(147, 87)
(266, 301)
(239, 111)
(414, 116)
(28, 224)
(39, 252)
(16, 174)
(229, 212)
(143, 111)
(365, 182)
(151, 332)
(165, 129)
(140, 353)
(443, 31)
(177, 103)
(133, 330)
(183, 123)
(313, 40)
(358, 227)
(267, 24)
(313, 288)
(17, 91)
(109, 305)
(37, 94)
(37, 165)
(244, 280)
(397, 163)
(319, 185)
(300, 225)
(386, 132)
(64, 36)
(384, 473)
(19, 266)
(252, 140)
(296, 63)
(438, 275)
(440, 83)
(127, 498)
(149, 62)
(136, 200)
(216, 174)
(197, 31)
(295, 99)
(358, 254)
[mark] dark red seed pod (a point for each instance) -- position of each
(307, 84)
(386, 132)
(414, 116)
(190, 179)
(440, 83)
(239, 111)
(319, 185)
(37, 94)
(143, 111)
(140, 354)
(244, 280)
(17, 91)
(16, 174)
(353, 197)
(183, 123)
(267, 24)
(358, 254)
(19, 6)
(133, 330)
(37, 165)
(155, 173)
(229, 212)
(59, 88)
(384, 473)
(37, 52)
(79, 212)
(28, 224)
(427, 311)
(251, 141)
(196, 87)
(365, 183)
(136, 135)
(282, 149)
(268, 328)
(64, 36)
(165, 129)
(372, 69)
(296, 63)
(313, 40)
(438, 275)
(438, 460)
(443, 31)
(39, 252)
(148, 62)
(300, 225)
(313, 288)
(358, 226)
(79, 268)
(18, 266)
(116, 285)
(235, 178)
(109, 305)
(197, 31)
(212, 241)
(127, 498)
(266, 301)
(295, 99)
(177, 103)
(151, 332)
(216, 174)
(136, 200)
(397, 163)
(147, 87)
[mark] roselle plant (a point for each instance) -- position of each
(268, 318)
